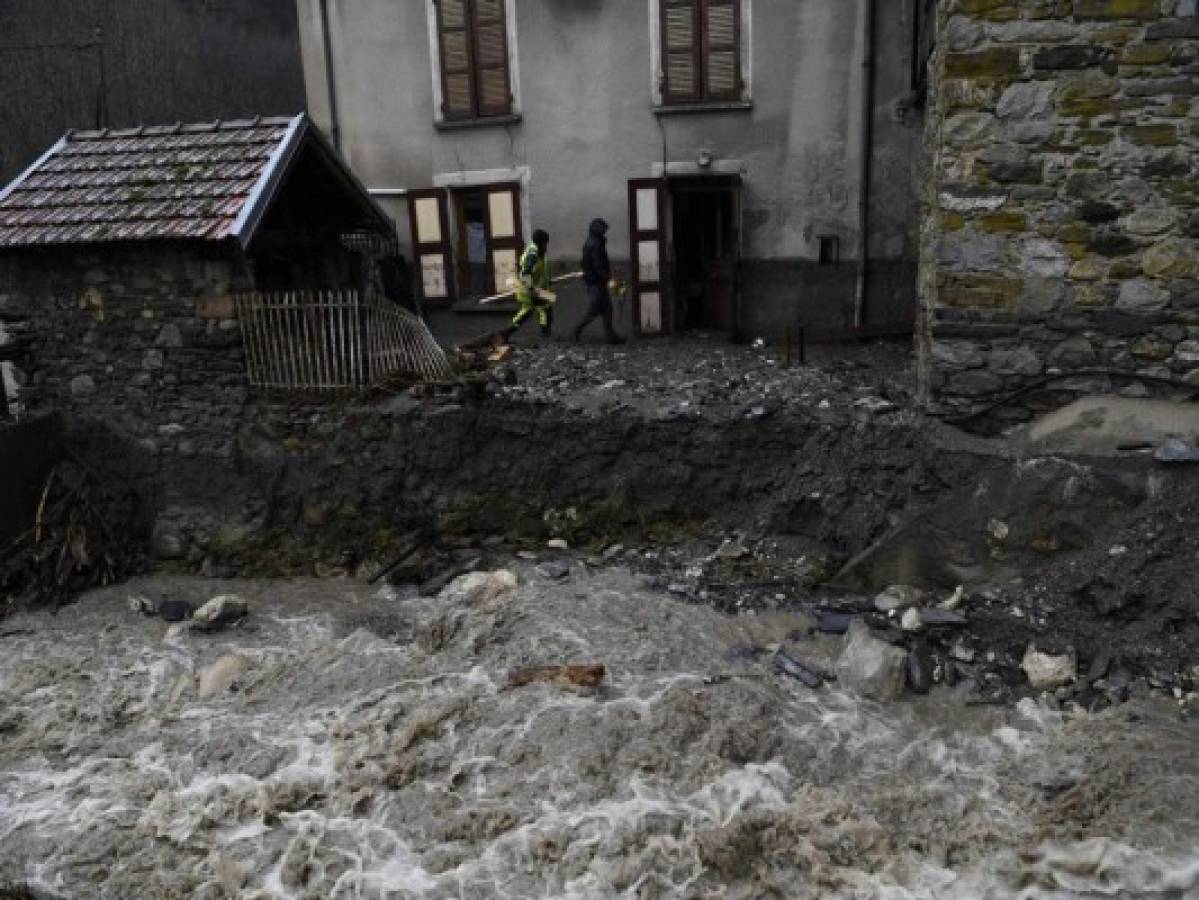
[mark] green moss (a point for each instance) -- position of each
(1006, 222)
(1152, 135)
(992, 63)
(1118, 9)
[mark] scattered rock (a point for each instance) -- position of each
(833, 622)
(912, 620)
(961, 651)
(1177, 450)
(581, 677)
(143, 605)
(897, 597)
(955, 599)
(480, 588)
(870, 667)
(175, 610)
(221, 675)
(920, 668)
(938, 617)
(219, 612)
(799, 670)
(553, 570)
(1046, 672)
(731, 549)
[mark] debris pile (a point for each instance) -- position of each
(82, 537)
(701, 379)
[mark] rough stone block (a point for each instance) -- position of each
(1074, 56)
(1140, 295)
(1171, 259)
(1025, 99)
(994, 62)
(1151, 135)
(1118, 9)
(1187, 27)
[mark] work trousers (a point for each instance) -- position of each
(543, 311)
(599, 307)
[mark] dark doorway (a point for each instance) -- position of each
(704, 219)
(470, 215)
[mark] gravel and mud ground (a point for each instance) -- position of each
(343, 742)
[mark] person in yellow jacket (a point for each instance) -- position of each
(533, 275)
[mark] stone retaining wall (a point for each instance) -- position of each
(141, 337)
(1062, 210)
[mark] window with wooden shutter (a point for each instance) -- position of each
(474, 58)
(701, 50)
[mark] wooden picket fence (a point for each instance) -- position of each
(333, 340)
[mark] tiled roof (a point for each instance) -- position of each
(179, 181)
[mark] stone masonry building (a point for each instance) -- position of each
(1062, 208)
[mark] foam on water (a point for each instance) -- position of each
(346, 765)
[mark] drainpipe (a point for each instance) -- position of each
(331, 87)
(870, 8)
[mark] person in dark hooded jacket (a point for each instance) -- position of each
(597, 273)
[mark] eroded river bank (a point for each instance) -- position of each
(342, 741)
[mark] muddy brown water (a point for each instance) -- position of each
(342, 743)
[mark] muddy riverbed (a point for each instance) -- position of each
(346, 741)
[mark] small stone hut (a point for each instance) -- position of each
(121, 252)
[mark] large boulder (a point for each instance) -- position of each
(870, 667)
(219, 612)
(480, 588)
(1046, 671)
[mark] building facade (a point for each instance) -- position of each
(1062, 231)
(748, 154)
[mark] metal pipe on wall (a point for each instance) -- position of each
(327, 42)
(869, 11)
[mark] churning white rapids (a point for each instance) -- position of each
(342, 743)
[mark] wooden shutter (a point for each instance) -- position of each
(721, 56)
(647, 239)
(504, 236)
(681, 51)
(429, 215)
(492, 85)
(457, 59)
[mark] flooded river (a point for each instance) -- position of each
(346, 743)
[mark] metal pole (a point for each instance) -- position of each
(330, 83)
(868, 29)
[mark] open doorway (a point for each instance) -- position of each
(705, 244)
(472, 270)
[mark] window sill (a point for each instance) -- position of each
(484, 122)
(682, 109)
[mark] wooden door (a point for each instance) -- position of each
(505, 239)
(647, 239)
(431, 243)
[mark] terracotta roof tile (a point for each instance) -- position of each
(170, 181)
